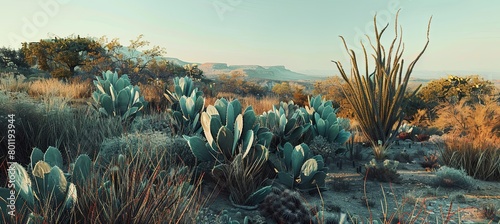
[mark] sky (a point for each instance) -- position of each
(301, 35)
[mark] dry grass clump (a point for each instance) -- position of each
(473, 139)
(75, 89)
(130, 191)
(259, 104)
(13, 83)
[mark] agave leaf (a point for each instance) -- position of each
(82, 169)
(321, 126)
(258, 196)
(310, 166)
(107, 103)
(333, 131)
(224, 142)
(230, 117)
(71, 197)
(199, 148)
(249, 119)
(297, 160)
(36, 155)
(286, 179)
(53, 157)
(247, 142)
(122, 101)
(238, 128)
(205, 124)
(56, 183)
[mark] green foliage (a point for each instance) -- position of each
(116, 97)
(187, 104)
(47, 190)
(377, 97)
(235, 83)
(60, 56)
(454, 89)
(286, 124)
(12, 59)
(324, 122)
(453, 178)
(298, 168)
(237, 145)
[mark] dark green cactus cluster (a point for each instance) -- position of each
(285, 206)
(116, 97)
(187, 104)
(46, 185)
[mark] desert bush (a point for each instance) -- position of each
(165, 150)
(258, 103)
(479, 155)
(377, 97)
(385, 171)
(134, 189)
(13, 83)
(453, 178)
(473, 138)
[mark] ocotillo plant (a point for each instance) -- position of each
(377, 97)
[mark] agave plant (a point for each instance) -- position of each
(187, 104)
(117, 97)
(48, 187)
(286, 124)
(298, 168)
(324, 121)
(239, 148)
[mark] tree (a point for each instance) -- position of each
(13, 59)
(331, 89)
(283, 90)
(134, 60)
(454, 88)
(235, 82)
(59, 56)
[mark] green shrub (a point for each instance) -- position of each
(385, 171)
(453, 178)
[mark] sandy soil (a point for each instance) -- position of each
(414, 198)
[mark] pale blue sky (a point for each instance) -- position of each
(302, 35)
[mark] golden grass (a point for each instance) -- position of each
(74, 89)
(12, 83)
(473, 139)
(259, 105)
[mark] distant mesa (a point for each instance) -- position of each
(276, 73)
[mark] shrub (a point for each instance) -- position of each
(53, 123)
(473, 139)
(377, 97)
(453, 178)
(285, 206)
(382, 171)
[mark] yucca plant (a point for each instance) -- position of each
(377, 97)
